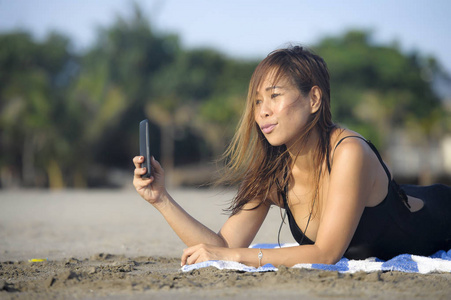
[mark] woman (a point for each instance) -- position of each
(331, 181)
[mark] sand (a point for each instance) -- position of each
(111, 244)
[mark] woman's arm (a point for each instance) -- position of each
(153, 190)
(351, 181)
(355, 179)
(238, 231)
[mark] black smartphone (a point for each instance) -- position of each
(144, 146)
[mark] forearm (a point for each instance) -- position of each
(288, 256)
(189, 230)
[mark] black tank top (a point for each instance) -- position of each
(390, 228)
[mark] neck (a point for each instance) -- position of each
(303, 153)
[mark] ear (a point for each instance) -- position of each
(316, 97)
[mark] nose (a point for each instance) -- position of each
(265, 109)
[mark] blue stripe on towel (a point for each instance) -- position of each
(402, 263)
(442, 254)
(341, 266)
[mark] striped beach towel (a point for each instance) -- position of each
(438, 262)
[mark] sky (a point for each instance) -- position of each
(246, 28)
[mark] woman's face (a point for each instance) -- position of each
(281, 111)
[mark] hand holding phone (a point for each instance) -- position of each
(144, 146)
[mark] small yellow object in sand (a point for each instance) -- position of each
(37, 260)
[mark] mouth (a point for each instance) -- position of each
(268, 128)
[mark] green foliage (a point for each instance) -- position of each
(33, 82)
(376, 88)
(67, 119)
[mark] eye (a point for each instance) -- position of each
(274, 96)
(258, 102)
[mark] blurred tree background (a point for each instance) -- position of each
(71, 120)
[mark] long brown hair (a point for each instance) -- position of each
(251, 161)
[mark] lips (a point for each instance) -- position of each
(268, 128)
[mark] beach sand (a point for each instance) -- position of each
(111, 244)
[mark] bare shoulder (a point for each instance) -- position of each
(257, 203)
(350, 148)
(354, 161)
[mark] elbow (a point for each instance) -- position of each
(328, 256)
(330, 260)
(223, 241)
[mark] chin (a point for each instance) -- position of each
(274, 142)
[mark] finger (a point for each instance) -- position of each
(202, 254)
(140, 184)
(183, 260)
(187, 253)
(193, 258)
(137, 161)
(139, 171)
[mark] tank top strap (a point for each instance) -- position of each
(372, 148)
